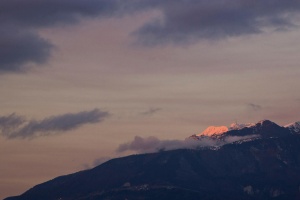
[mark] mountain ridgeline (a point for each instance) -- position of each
(266, 166)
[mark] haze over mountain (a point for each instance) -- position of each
(262, 163)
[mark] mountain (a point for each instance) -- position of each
(219, 130)
(236, 126)
(294, 127)
(267, 167)
(214, 130)
(262, 129)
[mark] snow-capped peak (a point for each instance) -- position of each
(236, 126)
(213, 130)
(261, 129)
(295, 127)
(219, 130)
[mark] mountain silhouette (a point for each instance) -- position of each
(267, 167)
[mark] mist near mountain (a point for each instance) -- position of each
(265, 166)
(213, 136)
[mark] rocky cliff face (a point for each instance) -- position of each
(265, 168)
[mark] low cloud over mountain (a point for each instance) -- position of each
(212, 137)
(153, 144)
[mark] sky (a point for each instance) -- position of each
(84, 81)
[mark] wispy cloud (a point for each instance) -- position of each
(14, 126)
(254, 107)
(10, 122)
(151, 111)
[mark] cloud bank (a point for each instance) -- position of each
(180, 22)
(20, 43)
(14, 126)
(186, 21)
(153, 144)
(19, 48)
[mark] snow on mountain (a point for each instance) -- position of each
(213, 130)
(236, 126)
(264, 127)
(295, 127)
(219, 130)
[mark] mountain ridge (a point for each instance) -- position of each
(263, 128)
(265, 168)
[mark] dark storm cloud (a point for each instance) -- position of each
(18, 48)
(13, 126)
(44, 13)
(181, 22)
(186, 21)
(20, 20)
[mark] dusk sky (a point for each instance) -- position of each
(80, 78)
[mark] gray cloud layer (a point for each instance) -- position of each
(18, 48)
(44, 13)
(186, 21)
(20, 20)
(14, 126)
(153, 144)
(181, 22)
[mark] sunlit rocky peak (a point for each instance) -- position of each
(213, 130)
(220, 130)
